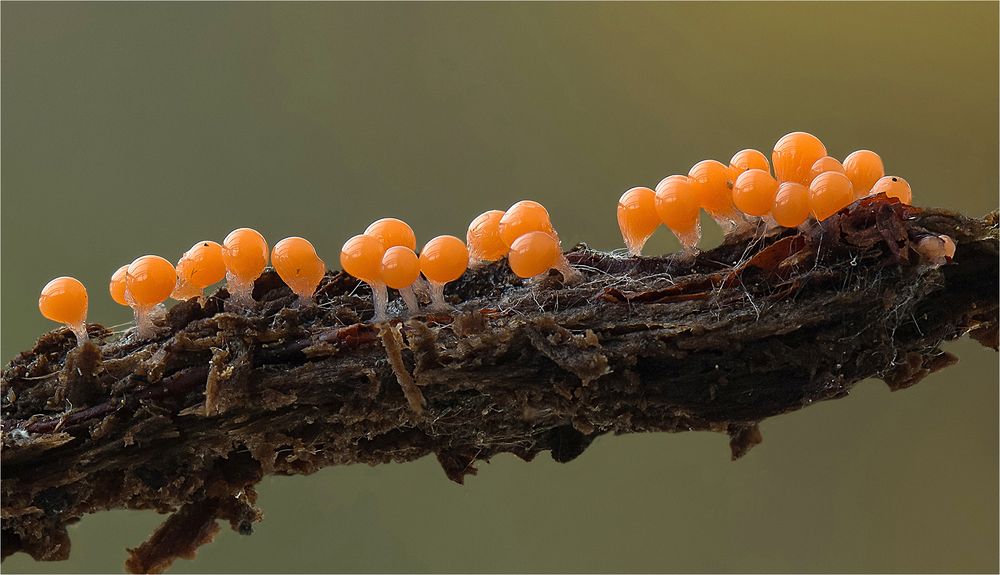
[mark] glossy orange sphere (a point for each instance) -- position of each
(753, 192)
(245, 254)
(392, 232)
(677, 203)
(117, 286)
(794, 155)
(483, 237)
(400, 267)
(297, 264)
(202, 265)
(149, 280)
(361, 257)
(825, 164)
(523, 217)
(64, 300)
(747, 160)
(791, 205)
(894, 187)
(829, 193)
(444, 259)
(637, 217)
(710, 181)
(533, 253)
(864, 168)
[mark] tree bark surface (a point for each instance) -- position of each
(189, 422)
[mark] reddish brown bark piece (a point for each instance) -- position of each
(178, 537)
(765, 324)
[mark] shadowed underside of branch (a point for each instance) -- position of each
(190, 422)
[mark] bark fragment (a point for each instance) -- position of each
(189, 422)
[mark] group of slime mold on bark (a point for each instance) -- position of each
(800, 185)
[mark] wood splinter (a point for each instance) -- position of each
(392, 341)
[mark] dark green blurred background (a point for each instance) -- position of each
(141, 128)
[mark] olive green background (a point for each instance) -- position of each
(142, 128)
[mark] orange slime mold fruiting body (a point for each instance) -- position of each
(894, 187)
(444, 259)
(392, 232)
(400, 269)
(199, 267)
(747, 160)
(637, 218)
(863, 168)
(244, 252)
(794, 155)
(149, 281)
(677, 206)
(791, 205)
(523, 217)
(825, 164)
(936, 250)
(754, 192)
(64, 300)
(535, 253)
(296, 262)
(361, 257)
(829, 193)
(483, 238)
(116, 287)
(711, 183)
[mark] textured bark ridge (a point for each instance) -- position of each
(188, 423)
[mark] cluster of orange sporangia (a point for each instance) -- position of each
(806, 183)
(383, 257)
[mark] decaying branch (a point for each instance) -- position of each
(189, 423)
